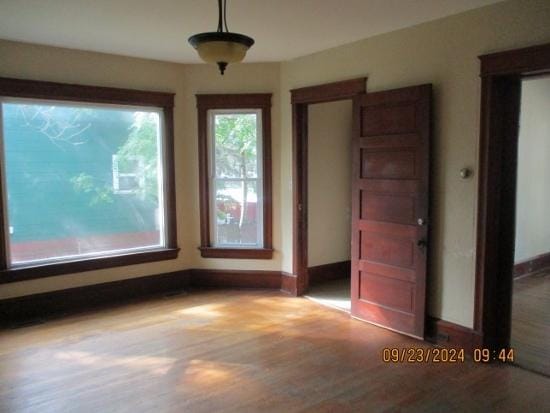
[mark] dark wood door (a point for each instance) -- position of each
(390, 200)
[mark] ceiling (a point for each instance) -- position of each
(283, 29)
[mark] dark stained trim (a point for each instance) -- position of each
(170, 179)
(20, 88)
(206, 278)
(37, 89)
(14, 311)
(450, 335)
(289, 283)
(299, 196)
(501, 75)
(3, 217)
(329, 92)
(300, 99)
(326, 272)
(532, 265)
(524, 61)
(234, 101)
(81, 265)
(247, 253)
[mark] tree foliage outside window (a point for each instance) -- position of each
(59, 158)
(236, 173)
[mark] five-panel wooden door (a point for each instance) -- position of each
(390, 208)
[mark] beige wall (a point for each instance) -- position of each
(442, 52)
(62, 65)
(329, 182)
(533, 192)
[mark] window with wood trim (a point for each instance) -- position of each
(86, 178)
(235, 175)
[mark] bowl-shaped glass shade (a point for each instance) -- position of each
(216, 47)
(228, 52)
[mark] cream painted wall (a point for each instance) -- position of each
(442, 52)
(329, 182)
(533, 193)
(28, 61)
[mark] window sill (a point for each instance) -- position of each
(68, 267)
(243, 253)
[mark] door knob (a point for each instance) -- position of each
(421, 222)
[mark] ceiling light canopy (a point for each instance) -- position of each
(221, 47)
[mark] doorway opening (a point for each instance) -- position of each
(302, 99)
(329, 203)
(513, 311)
(530, 331)
(389, 160)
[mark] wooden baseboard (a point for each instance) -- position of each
(205, 278)
(447, 334)
(289, 283)
(531, 265)
(18, 310)
(327, 272)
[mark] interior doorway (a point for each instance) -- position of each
(502, 301)
(329, 206)
(530, 332)
(302, 99)
(389, 162)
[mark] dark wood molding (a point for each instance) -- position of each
(36, 89)
(300, 99)
(450, 335)
(534, 264)
(501, 75)
(299, 196)
(332, 271)
(20, 88)
(14, 311)
(329, 92)
(250, 253)
(520, 61)
(206, 278)
(289, 283)
(234, 101)
(171, 226)
(81, 265)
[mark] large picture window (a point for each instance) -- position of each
(82, 181)
(235, 175)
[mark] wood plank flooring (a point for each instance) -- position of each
(531, 321)
(240, 351)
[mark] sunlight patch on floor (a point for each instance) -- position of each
(335, 294)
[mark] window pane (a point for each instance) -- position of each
(236, 145)
(237, 213)
(81, 180)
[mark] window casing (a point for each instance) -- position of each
(235, 175)
(102, 171)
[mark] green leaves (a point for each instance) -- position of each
(236, 145)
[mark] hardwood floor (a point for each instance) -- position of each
(531, 321)
(240, 351)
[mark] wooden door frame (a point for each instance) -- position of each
(297, 283)
(501, 75)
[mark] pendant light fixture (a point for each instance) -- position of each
(221, 47)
